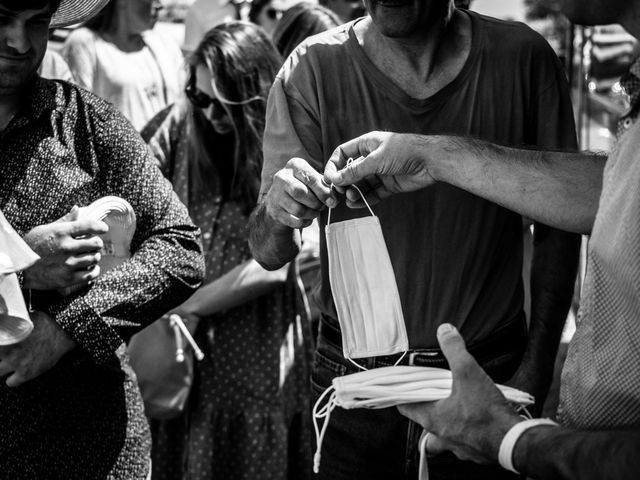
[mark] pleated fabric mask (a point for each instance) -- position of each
(364, 288)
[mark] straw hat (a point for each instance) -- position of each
(71, 12)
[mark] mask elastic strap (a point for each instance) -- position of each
(324, 412)
(364, 369)
(423, 468)
(349, 162)
(404, 354)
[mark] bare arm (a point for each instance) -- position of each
(558, 189)
(272, 244)
(553, 272)
(242, 284)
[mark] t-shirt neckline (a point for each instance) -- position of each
(387, 85)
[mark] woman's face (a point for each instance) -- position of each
(268, 18)
(216, 112)
(141, 14)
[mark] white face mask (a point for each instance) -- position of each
(364, 289)
(119, 216)
(388, 387)
(15, 255)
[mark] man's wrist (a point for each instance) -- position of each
(513, 448)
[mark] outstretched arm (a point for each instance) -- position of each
(558, 189)
(473, 421)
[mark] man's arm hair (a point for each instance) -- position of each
(272, 245)
(559, 189)
(559, 453)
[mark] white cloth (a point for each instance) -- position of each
(15, 255)
(139, 84)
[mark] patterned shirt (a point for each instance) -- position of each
(601, 376)
(630, 83)
(84, 418)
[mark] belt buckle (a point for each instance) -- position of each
(413, 355)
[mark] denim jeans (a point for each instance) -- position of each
(382, 444)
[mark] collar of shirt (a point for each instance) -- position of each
(43, 98)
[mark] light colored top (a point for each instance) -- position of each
(139, 84)
(601, 377)
(203, 16)
(54, 67)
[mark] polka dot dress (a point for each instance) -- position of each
(249, 414)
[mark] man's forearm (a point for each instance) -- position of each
(553, 272)
(242, 284)
(556, 188)
(559, 453)
(272, 244)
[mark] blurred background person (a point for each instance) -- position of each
(266, 13)
(347, 10)
(248, 415)
(301, 21)
(203, 15)
(54, 67)
(118, 56)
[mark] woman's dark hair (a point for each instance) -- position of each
(105, 20)
(302, 21)
(243, 64)
(256, 8)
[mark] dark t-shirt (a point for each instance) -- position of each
(457, 258)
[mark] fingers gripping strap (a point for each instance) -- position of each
(349, 162)
(505, 454)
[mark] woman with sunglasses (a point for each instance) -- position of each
(248, 414)
(120, 57)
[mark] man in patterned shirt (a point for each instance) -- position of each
(599, 413)
(69, 403)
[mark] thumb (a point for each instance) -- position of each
(71, 216)
(453, 347)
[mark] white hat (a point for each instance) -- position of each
(71, 12)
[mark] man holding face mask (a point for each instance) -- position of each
(419, 66)
(70, 407)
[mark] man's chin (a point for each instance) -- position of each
(14, 83)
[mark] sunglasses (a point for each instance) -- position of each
(273, 14)
(199, 99)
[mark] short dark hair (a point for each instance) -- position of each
(19, 5)
(301, 21)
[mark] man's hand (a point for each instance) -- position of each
(472, 421)
(298, 195)
(69, 252)
(384, 163)
(36, 354)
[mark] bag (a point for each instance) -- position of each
(162, 356)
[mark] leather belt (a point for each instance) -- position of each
(507, 339)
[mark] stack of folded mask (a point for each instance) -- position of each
(15, 256)
(119, 216)
(388, 387)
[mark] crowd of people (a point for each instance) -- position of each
(274, 122)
